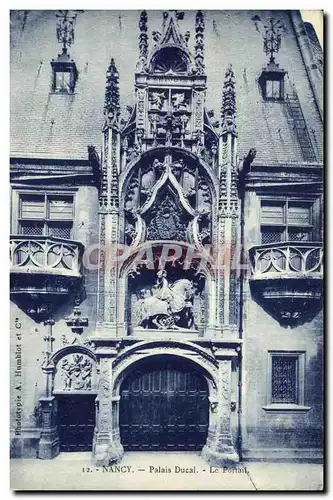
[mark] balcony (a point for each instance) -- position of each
(44, 270)
(286, 280)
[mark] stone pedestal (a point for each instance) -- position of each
(219, 450)
(107, 448)
(48, 446)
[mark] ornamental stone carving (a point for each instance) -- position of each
(76, 372)
(165, 305)
(168, 221)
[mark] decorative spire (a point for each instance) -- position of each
(112, 101)
(65, 28)
(143, 41)
(199, 43)
(228, 109)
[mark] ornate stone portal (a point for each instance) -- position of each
(170, 187)
(168, 195)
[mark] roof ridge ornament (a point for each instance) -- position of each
(65, 28)
(228, 108)
(272, 36)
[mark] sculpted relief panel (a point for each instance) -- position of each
(75, 372)
(168, 198)
(161, 301)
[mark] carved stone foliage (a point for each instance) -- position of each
(166, 299)
(143, 42)
(228, 109)
(75, 372)
(224, 374)
(112, 101)
(199, 43)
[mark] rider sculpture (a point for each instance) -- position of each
(166, 306)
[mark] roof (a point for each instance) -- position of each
(46, 125)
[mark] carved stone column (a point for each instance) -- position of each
(106, 443)
(228, 211)
(219, 450)
(49, 441)
(109, 208)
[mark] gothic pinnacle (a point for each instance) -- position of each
(199, 43)
(228, 108)
(143, 41)
(112, 101)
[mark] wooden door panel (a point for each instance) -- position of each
(164, 406)
(76, 422)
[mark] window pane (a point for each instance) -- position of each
(272, 213)
(60, 208)
(299, 214)
(269, 235)
(276, 89)
(269, 89)
(273, 89)
(63, 81)
(32, 228)
(32, 207)
(284, 379)
(61, 230)
(298, 234)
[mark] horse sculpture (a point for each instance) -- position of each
(166, 306)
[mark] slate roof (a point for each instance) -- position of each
(46, 125)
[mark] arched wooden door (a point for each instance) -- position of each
(164, 406)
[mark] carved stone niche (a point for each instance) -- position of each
(170, 299)
(75, 373)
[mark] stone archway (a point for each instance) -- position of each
(212, 365)
(68, 408)
(164, 406)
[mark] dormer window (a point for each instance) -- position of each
(62, 81)
(273, 89)
(64, 74)
(272, 82)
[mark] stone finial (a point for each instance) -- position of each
(143, 41)
(199, 43)
(112, 100)
(228, 109)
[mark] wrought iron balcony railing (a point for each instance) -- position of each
(292, 258)
(45, 254)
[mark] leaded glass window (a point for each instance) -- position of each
(274, 89)
(63, 82)
(286, 220)
(46, 215)
(284, 379)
